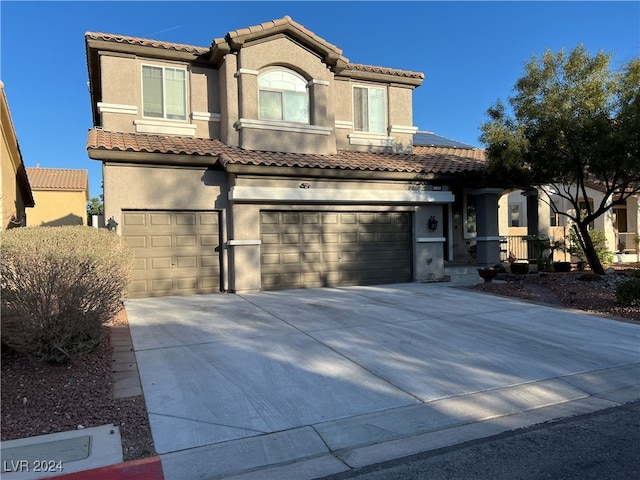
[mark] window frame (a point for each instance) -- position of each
(283, 97)
(165, 116)
(361, 113)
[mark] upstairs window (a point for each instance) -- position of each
(368, 110)
(164, 92)
(283, 96)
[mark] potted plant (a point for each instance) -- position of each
(487, 273)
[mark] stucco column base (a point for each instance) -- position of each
(488, 241)
(488, 252)
(244, 263)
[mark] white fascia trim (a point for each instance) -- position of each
(117, 108)
(335, 195)
(318, 82)
(403, 129)
(246, 71)
(431, 239)
(374, 140)
(344, 124)
(282, 126)
(209, 117)
(151, 126)
(236, 243)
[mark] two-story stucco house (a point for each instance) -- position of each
(268, 160)
(15, 192)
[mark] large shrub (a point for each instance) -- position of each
(59, 285)
(628, 293)
(599, 240)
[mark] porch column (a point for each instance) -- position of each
(488, 239)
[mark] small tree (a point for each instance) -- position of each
(94, 207)
(575, 124)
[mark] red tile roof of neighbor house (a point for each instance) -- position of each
(423, 160)
(58, 179)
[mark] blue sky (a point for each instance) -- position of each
(471, 53)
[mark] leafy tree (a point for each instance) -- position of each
(573, 123)
(94, 207)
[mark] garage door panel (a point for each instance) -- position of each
(185, 218)
(311, 249)
(160, 263)
(186, 241)
(136, 241)
(158, 241)
(160, 219)
(210, 261)
(175, 252)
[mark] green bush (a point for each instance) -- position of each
(59, 285)
(628, 293)
(599, 240)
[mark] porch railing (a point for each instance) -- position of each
(626, 242)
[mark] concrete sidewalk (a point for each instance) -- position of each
(306, 383)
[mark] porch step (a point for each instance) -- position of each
(465, 274)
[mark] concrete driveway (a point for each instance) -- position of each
(306, 383)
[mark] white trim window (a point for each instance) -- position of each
(369, 109)
(164, 92)
(283, 96)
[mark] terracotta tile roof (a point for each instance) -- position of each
(145, 42)
(445, 161)
(58, 179)
(384, 70)
(134, 142)
(286, 20)
(423, 160)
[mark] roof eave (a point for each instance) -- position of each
(382, 77)
(151, 158)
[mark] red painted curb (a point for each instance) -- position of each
(144, 469)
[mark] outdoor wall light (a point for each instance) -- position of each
(112, 225)
(432, 224)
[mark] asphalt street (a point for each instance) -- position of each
(603, 445)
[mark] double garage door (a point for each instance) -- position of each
(176, 252)
(317, 249)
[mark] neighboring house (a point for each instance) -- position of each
(15, 196)
(61, 196)
(268, 161)
(527, 213)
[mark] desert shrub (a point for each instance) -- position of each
(520, 268)
(628, 293)
(59, 285)
(599, 239)
(632, 272)
(589, 277)
(562, 266)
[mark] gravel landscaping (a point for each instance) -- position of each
(40, 398)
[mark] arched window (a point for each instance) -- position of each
(283, 95)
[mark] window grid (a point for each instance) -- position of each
(164, 92)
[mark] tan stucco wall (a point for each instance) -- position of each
(12, 203)
(56, 208)
(230, 93)
(121, 78)
(162, 188)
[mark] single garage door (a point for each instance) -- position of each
(317, 249)
(176, 252)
